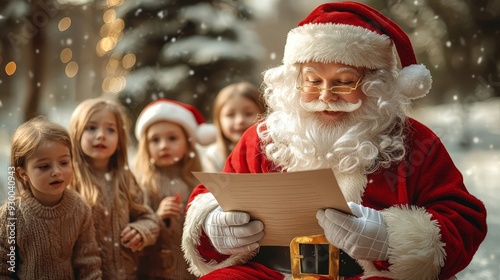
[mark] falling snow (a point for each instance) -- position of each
(108, 177)
(471, 133)
(462, 41)
(472, 139)
(479, 161)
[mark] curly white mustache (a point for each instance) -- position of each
(336, 106)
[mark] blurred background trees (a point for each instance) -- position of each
(459, 41)
(55, 53)
(48, 56)
(182, 50)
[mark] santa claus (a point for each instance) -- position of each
(340, 100)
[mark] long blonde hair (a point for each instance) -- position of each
(85, 183)
(148, 173)
(244, 89)
(27, 139)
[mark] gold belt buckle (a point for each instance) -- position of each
(307, 254)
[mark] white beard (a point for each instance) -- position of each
(307, 142)
(353, 145)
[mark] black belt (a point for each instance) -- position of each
(278, 258)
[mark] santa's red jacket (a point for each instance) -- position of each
(434, 224)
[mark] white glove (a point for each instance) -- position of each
(363, 236)
(232, 232)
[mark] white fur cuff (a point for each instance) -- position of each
(413, 239)
(199, 208)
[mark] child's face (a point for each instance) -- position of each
(166, 143)
(48, 172)
(100, 138)
(236, 115)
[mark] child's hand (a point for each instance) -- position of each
(131, 238)
(170, 206)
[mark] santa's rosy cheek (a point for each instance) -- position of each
(308, 97)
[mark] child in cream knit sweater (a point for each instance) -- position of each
(124, 224)
(47, 231)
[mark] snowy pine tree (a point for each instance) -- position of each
(185, 50)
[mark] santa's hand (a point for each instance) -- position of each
(362, 236)
(232, 232)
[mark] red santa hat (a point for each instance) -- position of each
(180, 113)
(356, 34)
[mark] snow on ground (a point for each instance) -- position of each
(471, 134)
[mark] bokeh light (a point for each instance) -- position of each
(114, 84)
(71, 69)
(128, 61)
(112, 66)
(109, 16)
(66, 55)
(64, 24)
(10, 68)
(112, 3)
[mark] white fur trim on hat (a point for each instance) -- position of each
(355, 46)
(173, 112)
(341, 43)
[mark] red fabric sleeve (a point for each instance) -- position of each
(248, 271)
(247, 156)
(247, 148)
(436, 184)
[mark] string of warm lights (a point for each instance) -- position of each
(67, 54)
(111, 31)
(117, 66)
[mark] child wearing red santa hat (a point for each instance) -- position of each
(340, 101)
(168, 132)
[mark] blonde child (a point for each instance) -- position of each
(124, 224)
(236, 107)
(168, 132)
(47, 231)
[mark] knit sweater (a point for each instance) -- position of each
(165, 259)
(53, 242)
(118, 261)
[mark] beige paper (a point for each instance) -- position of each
(285, 202)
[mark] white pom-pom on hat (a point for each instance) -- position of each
(414, 81)
(180, 113)
(206, 133)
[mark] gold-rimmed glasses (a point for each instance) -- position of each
(334, 89)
